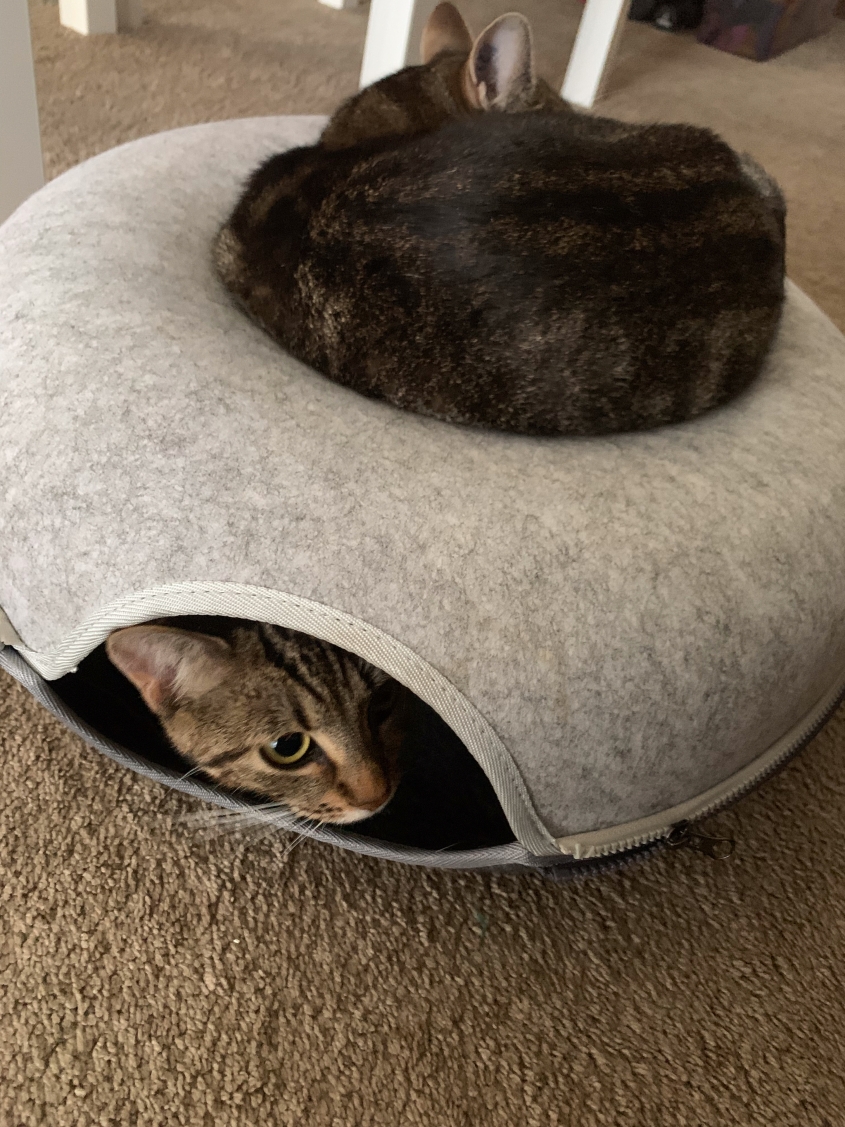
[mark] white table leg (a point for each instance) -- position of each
(21, 167)
(97, 17)
(394, 31)
(598, 37)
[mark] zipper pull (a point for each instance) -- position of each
(683, 836)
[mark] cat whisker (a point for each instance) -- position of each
(187, 775)
(175, 783)
(259, 817)
(311, 824)
(257, 809)
(260, 821)
(291, 845)
(219, 814)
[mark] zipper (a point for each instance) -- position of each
(679, 830)
(683, 836)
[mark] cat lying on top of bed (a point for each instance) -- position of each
(461, 244)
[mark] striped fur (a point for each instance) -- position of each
(223, 689)
(527, 269)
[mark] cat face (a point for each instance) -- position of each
(458, 76)
(274, 712)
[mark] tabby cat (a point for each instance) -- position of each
(273, 712)
(461, 244)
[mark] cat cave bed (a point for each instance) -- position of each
(625, 633)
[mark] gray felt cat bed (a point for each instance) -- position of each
(625, 632)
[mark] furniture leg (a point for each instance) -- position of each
(21, 167)
(394, 31)
(595, 46)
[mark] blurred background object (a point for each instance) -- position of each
(761, 29)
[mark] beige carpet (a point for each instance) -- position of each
(153, 974)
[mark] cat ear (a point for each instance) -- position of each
(499, 73)
(166, 664)
(445, 31)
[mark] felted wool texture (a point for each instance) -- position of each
(637, 617)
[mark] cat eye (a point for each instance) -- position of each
(287, 750)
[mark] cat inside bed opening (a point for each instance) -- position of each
(274, 712)
(443, 800)
(460, 244)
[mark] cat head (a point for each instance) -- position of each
(458, 76)
(274, 712)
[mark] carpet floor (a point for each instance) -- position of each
(155, 973)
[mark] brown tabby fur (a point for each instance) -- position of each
(462, 245)
(221, 699)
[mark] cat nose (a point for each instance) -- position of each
(369, 793)
(374, 801)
